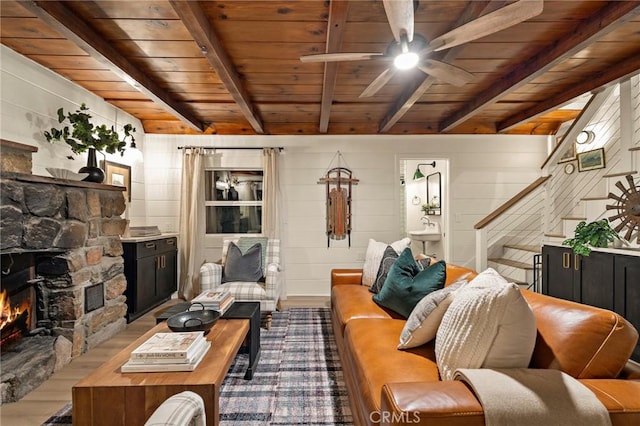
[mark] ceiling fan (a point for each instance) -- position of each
(409, 50)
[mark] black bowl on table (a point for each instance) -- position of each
(193, 320)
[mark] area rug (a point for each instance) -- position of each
(298, 381)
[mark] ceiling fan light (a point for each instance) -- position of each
(406, 61)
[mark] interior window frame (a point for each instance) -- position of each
(232, 203)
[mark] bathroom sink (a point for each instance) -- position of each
(430, 233)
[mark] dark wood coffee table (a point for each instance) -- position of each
(107, 397)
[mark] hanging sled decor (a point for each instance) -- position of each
(338, 182)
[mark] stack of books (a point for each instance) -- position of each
(217, 300)
(168, 352)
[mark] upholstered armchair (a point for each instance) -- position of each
(182, 409)
(267, 290)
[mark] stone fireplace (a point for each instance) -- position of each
(62, 264)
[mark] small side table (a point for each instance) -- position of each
(239, 310)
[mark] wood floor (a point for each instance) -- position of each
(51, 396)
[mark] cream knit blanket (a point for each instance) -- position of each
(532, 397)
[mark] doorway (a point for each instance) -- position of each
(425, 204)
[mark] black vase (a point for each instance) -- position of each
(95, 173)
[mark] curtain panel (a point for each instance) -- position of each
(191, 222)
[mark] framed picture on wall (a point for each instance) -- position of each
(118, 175)
(569, 154)
(591, 160)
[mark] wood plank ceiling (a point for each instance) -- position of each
(232, 67)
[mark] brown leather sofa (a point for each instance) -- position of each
(390, 386)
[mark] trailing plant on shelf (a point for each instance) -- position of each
(82, 135)
(594, 234)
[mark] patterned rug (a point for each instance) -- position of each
(298, 380)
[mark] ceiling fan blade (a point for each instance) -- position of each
(445, 72)
(488, 24)
(400, 17)
(335, 57)
(377, 84)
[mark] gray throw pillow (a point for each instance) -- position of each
(388, 258)
(245, 243)
(422, 325)
(424, 263)
(243, 267)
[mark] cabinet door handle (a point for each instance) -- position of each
(157, 263)
(171, 242)
(576, 262)
(150, 245)
(164, 261)
(566, 260)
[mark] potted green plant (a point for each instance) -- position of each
(82, 135)
(594, 234)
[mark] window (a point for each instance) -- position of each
(233, 201)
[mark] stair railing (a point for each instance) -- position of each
(519, 220)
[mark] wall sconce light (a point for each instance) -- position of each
(585, 136)
(418, 174)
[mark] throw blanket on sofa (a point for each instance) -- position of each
(532, 397)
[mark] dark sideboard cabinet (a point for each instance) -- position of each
(602, 279)
(151, 268)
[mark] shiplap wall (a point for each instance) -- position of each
(635, 101)
(485, 171)
(567, 190)
(31, 96)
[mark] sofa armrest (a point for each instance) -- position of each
(449, 403)
(346, 276)
(452, 403)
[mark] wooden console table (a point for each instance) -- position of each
(107, 397)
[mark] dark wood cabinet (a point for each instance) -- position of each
(151, 270)
(558, 266)
(603, 279)
(627, 292)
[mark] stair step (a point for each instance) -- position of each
(512, 263)
(555, 235)
(518, 282)
(531, 248)
(619, 174)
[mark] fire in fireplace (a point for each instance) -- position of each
(14, 318)
(17, 297)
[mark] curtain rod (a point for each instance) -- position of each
(279, 148)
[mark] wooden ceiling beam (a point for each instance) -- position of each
(616, 73)
(414, 92)
(338, 11)
(209, 44)
(602, 22)
(75, 29)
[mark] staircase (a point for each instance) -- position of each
(509, 239)
(516, 263)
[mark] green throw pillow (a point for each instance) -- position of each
(406, 284)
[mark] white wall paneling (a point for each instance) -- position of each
(484, 171)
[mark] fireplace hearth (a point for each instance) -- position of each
(63, 277)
